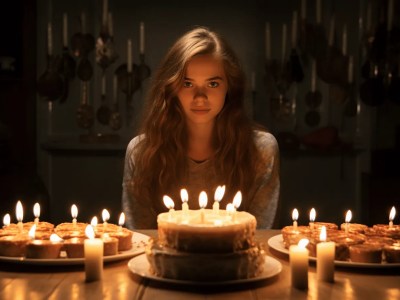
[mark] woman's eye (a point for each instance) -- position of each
(187, 84)
(213, 84)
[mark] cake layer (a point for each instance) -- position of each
(215, 233)
(169, 263)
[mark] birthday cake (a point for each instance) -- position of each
(205, 245)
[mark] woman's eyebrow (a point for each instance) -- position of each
(209, 79)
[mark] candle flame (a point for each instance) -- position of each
(230, 208)
(55, 238)
(295, 214)
(303, 243)
(106, 215)
(168, 202)
(74, 211)
(392, 214)
(32, 232)
(36, 210)
(6, 220)
(237, 200)
(89, 231)
(184, 195)
(322, 235)
(219, 193)
(313, 214)
(121, 220)
(94, 221)
(19, 212)
(203, 199)
(348, 216)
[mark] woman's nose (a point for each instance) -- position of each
(200, 93)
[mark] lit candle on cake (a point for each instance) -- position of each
(19, 213)
(74, 214)
(32, 232)
(325, 258)
(219, 194)
(237, 200)
(93, 249)
(121, 221)
(36, 212)
(230, 209)
(169, 203)
(55, 238)
(313, 214)
(391, 216)
(347, 220)
(298, 256)
(202, 203)
(6, 220)
(106, 216)
(94, 223)
(295, 217)
(185, 199)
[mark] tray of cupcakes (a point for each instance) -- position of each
(356, 245)
(44, 243)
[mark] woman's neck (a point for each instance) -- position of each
(200, 143)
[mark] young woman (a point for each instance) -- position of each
(196, 135)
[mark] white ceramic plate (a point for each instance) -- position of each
(140, 266)
(139, 241)
(276, 242)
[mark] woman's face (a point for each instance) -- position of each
(203, 90)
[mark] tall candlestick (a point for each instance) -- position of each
(331, 37)
(344, 40)
(350, 70)
(347, 221)
(65, 29)
(295, 216)
(129, 54)
(325, 258)
(313, 214)
(36, 212)
(141, 38)
(169, 203)
(202, 203)
(298, 257)
(284, 37)
(110, 25)
(49, 39)
(93, 249)
(267, 41)
(392, 214)
(19, 213)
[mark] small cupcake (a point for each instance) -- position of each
(74, 247)
(44, 249)
(366, 253)
(110, 245)
(392, 253)
(13, 245)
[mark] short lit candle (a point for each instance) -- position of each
(32, 232)
(55, 238)
(94, 223)
(295, 217)
(19, 213)
(237, 200)
(169, 203)
(230, 209)
(202, 203)
(121, 221)
(106, 216)
(36, 212)
(219, 194)
(391, 216)
(298, 256)
(325, 258)
(6, 220)
(313, 214)
(74, 213)
(347, 220)
(93, 249)
(185, 199)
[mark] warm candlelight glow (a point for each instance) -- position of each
(36, 210)
(325, 258)
(74, 212)
(347, 220)
(391, 216)
(32, 232)
(121, 220)
(19, 212)
(298, 257)
(6, 220)
(303, 243)
(168, 202)
(105, 215)
(313, 214)
(203, 199)
(93, 249)
(55, 238)
(89, 232)
(94, 222)
(230, 208)
(295, 217)
(185, 199)
(218, 195)
(322, 235)
(237, 200)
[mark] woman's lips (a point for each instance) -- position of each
(200, 111)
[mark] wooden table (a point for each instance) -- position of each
(68, 282)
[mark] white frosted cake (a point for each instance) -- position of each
(218, 246)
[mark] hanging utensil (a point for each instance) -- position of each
(85, 112)
(103, 113)
(82, 44)
(105, 48)
(115, 118)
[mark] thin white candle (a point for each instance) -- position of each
(185, 199)
(350, 76)
(347, 220)
(65, 29)
(19, 213)
(331, 37)
(129, 55)
(295, 217)
(392, 214)
(325, 258)
(32, 232)
(141, 37)
(313, 215)
(344, 40)
(169, 203)
(105, 216)
(74, 213)
(36, 212)
(390, 15)
(313, 75)
(93, 249)
(294, 29)
(303, 9)
(219, 194)
(284, 37)
(121, 221)
(105, 13)
(230, 210)
(202, 203)
(110, 25)
(6, 220)
(298, 257)
(318, 11)
(49, 39)
(237, 200)
(267, 41)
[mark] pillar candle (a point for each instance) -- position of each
(325, 258)
(93, 249)
(141, 38)
(298, 256)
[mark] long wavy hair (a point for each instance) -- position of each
(161, 161)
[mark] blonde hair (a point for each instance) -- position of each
(164, 147)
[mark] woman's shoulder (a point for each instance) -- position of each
(134, 143)
(264, 139)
